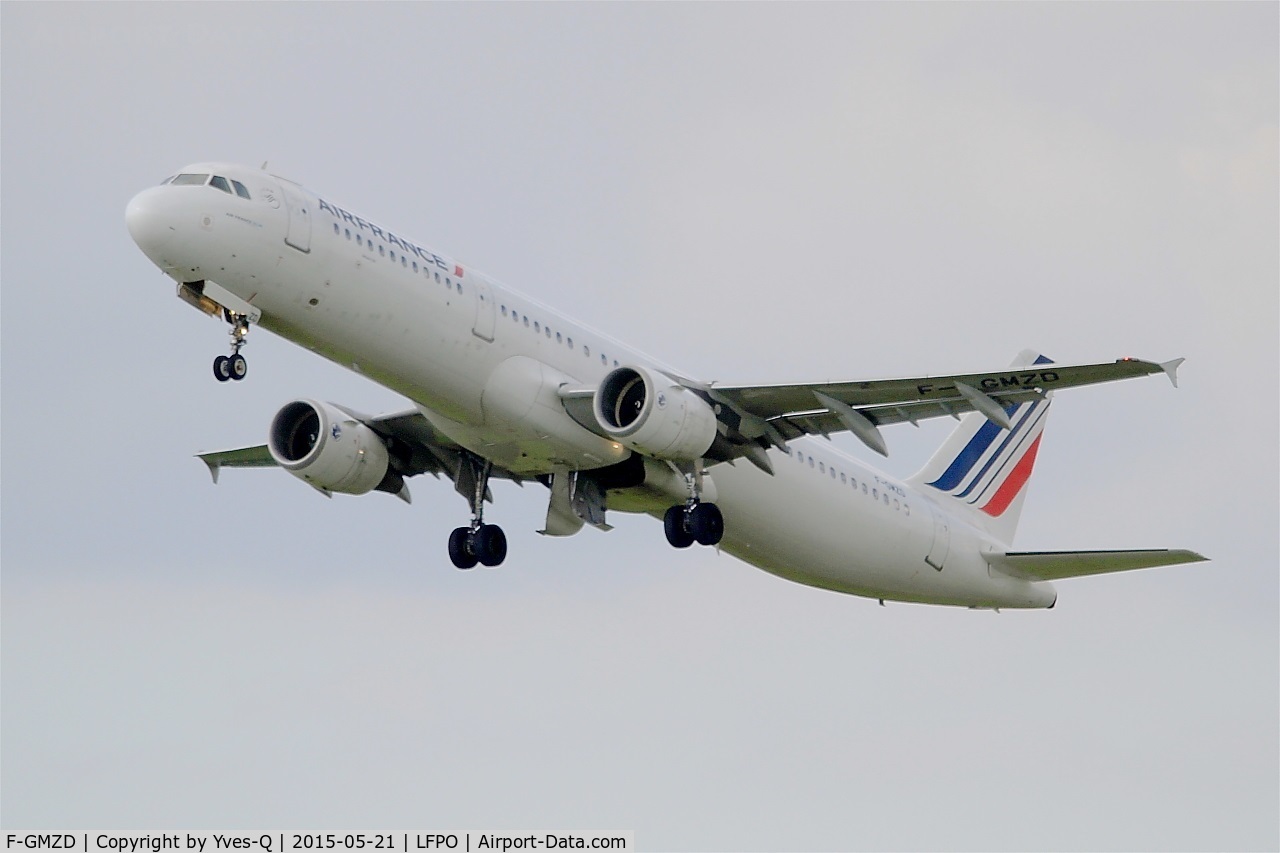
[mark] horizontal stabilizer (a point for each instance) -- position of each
(1056, 565)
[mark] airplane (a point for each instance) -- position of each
(504, 387)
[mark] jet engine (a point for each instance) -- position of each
(330, 450)
(654, 415)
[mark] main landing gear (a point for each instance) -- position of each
(694, 521)
(481, 543)
(701, 523)
(233, 366)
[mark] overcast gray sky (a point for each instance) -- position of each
(752, 193)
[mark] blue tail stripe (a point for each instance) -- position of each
(1025, 438)
(1011, 437)
(969, 457)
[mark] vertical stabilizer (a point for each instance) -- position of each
(983, 469)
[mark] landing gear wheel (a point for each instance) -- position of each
(489, 544)
(222, 368)
(706, 524)
(678, 533)
(460, 548)
(239, 367)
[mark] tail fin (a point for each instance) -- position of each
(982, 469)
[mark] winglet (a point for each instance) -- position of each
(1171, 369)
(856, 422)
(214, 467)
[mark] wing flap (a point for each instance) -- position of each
(1056, 565)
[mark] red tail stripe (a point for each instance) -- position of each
(1017, 479)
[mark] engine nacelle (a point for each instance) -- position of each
(653, 414)
(328, 448)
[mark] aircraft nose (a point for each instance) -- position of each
(148, 223)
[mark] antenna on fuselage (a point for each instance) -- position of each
(264, 165)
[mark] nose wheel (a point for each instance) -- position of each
(233, 366)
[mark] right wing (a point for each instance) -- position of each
(761, 415)
(1056, 565)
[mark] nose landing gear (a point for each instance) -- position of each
(233, 366)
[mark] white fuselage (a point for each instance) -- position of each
(482, 363)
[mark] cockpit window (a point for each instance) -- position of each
(166, 180)
(221, 183)
(240, 189)
(191, 180)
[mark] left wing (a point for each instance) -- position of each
(414, 446)
(775, 414)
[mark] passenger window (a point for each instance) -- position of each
(822, 468)
(240, 189)
(535, 327)
(191, 180)
(404, 262)
(604, 359)
(437, 278)
(393, 255)
(570, 342)
(348, 230)
(558, 338)
(810, 461)
(864, 488)
(526, 321)
(875, 494)
(886, 498)
(615, 362)
(382, 250)
(548, 328)
(504, 310)
(586, 350)
(415, 266)
(833, 473)
(336, 230)
(359, 240)
(221, 183)
(842, 477)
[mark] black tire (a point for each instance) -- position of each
(222, 368)
(678, 533)
(706, 524)
(460, 548)
(490, 545)
(238, 367)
